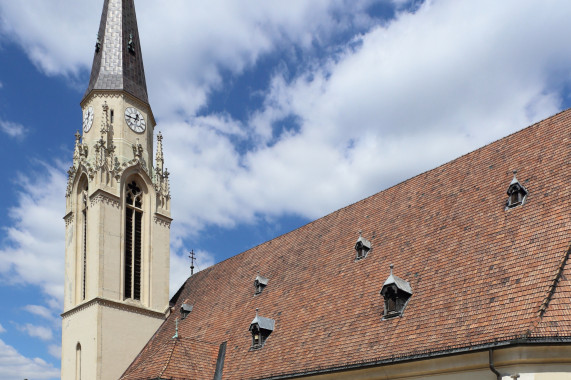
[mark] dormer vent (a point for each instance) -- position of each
(362, 247)
(185, 309)
(97, 44)
(261, 328)
(516, 193)
(396, 293)
(131, 44)
(260, 283)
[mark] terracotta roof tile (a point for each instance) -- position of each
(479, 273)
(179, 358)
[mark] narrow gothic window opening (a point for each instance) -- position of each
(133, 241)
(84, 242)
(111, 116)
(78, 361)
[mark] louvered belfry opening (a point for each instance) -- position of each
(133, 240)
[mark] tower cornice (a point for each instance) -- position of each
(133, 308)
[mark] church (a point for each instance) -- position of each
(460, 272)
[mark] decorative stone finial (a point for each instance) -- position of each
(392, 267)
(159, 159)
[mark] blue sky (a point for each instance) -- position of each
(273, 114)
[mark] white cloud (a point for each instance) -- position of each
(14, 130)
(15, 366)
(55, 351)
(191, 48)
(2, 329)
(40, 311)
(1, 84)
(64, 49)
(401, 99)
(34, 331)
(32, 252)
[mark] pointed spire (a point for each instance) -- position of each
(159, 159)
(118, 62)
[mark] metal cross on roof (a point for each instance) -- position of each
(192, 258)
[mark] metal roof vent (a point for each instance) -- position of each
(396, 292)
(260, 283)
(185, 309)
(362, 247)
(516, 193)
(260, 328)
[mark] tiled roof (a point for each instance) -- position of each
(176, 358)
(114, 66)
(479, 273)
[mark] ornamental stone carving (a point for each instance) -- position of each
(101, 197)
(162, 221)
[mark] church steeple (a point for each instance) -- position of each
(117, 212)
(118, 62)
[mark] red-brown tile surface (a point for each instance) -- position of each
(180, 358)
(479, 273)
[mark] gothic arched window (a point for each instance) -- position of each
(133, 240)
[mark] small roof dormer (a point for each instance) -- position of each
(260, 283)
(362, 247)
(516, 193)
(185, 309)
(396, 293)
(261, 328)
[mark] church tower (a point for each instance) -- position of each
(117, 212)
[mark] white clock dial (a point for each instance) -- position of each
(135, 120)
(87, 119)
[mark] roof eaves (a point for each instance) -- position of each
(510, 341)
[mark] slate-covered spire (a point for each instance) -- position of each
(118, 62)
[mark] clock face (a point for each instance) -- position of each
(87, 119)
(135, 120)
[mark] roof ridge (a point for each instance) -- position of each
(553, 285)
(169, 359)
(141, 362)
